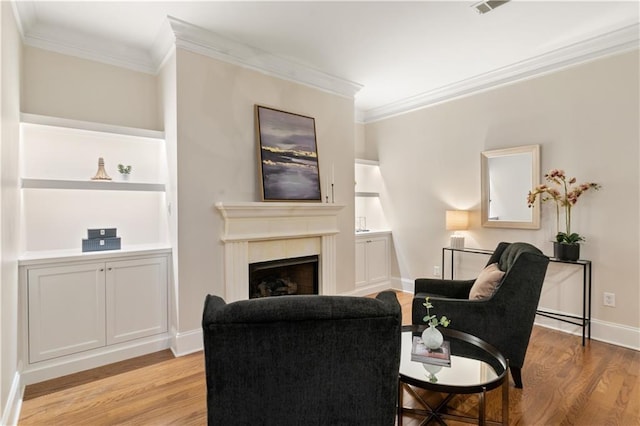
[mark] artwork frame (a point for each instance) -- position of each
(288, 156)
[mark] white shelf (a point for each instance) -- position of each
(367, 194)
(91, 185)
(53, 256)
(90, 126)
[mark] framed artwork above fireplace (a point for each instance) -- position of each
(288, 156)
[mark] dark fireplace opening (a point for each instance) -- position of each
(298, 275)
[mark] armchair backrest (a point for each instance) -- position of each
(313, 360)
(517, 297)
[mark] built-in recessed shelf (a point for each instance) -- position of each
(91, 184)
(367, 194)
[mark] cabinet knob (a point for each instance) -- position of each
(109, 269)
(101, 269)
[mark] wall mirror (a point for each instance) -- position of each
(507, 177)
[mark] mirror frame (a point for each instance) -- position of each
(534, 150)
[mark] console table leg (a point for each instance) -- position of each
(482, 408)
(400, 402)
(505, 402)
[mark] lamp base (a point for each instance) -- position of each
(457, 242)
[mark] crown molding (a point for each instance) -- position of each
(204, 42)
(164, 45)
(60, 40)
(614, 42)
(180, 34)
(24, 14)
(174, 33)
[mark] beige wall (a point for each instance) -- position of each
(586, 119)
(364, 150)
(10, 60)
(217, 161)
(65, 86)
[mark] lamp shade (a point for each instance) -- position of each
(457, 220)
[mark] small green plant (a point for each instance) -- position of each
(125, 170)
(431, 319)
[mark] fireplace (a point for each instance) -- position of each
(283, 277)
(257, 232)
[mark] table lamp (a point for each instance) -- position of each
(457, 220)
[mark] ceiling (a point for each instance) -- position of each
(397, 55)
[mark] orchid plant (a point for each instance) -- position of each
(431, 319)
(565, 198)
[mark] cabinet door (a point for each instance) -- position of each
(136, 298)
(377, 260)
(361, 263)
(66, 310)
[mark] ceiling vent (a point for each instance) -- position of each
(489, 5)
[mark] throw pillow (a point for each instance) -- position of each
(486, 283)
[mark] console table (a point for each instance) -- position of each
(583, 321)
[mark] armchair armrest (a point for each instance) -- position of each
(476, 317)
(457, 289)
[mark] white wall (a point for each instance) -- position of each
(217, 161)
(585, 118)
(10, 60)
(167, 96)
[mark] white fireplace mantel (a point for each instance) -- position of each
(296, 229)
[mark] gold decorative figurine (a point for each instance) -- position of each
(101, 174)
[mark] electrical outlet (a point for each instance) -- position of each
(436, 271)
(610, 299)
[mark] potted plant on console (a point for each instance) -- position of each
(567, 243)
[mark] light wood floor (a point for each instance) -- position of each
(564, 384)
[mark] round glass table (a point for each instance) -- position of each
(476, 367)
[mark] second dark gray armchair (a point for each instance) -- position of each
(302, 360)
(504, 320)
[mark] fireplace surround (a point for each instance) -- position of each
(259, 232)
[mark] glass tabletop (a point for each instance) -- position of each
(474, 364)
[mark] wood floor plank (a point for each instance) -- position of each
(564, 384)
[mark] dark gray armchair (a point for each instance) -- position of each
(312, 360)
(504, 320)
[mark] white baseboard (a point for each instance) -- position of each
(404, 284)
(368, 289)
(63, 366)
(187, 342)
(11, 410)
(602, 331)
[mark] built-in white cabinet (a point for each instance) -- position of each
(79, 310)
(76, 306)
(136, 298)
(66, 306)
(372, 259)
